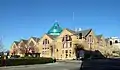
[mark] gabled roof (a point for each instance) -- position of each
(99, 36)
(71, 31)
(25, 41)
(85, 32)
(35, 39)
(53, 36)
(16, 42)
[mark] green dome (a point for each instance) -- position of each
(55, 29)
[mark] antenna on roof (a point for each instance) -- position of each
(73, 16)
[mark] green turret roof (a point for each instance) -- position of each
(55, 29)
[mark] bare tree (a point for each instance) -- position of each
(1, 46)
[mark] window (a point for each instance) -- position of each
(46, 41)
(42, 52)
(66, 51)
(80, 35)
(70, 51)
(66, 55)
(57, 50)
(116, 41)
(70, 44)
(43, 42)
(69, 55)
(70, 39)
(64, 45)
(62, 51)
(66, 41)
(66, 37)
(110, 42)
(63, 39)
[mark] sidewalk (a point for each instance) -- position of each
(69, 61)
(34, 65)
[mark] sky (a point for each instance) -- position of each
(21, 19)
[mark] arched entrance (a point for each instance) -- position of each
(79, 51)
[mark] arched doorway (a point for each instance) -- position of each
(79, 51)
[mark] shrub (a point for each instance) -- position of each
(26, 61)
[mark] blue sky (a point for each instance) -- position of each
(26, 18)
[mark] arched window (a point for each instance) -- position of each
(67, 41)
(46, 41)
(110, 42)
(43, 42)
(70, 44)
(70, 39)
(66, 37)
(63, 39)
(116, 41)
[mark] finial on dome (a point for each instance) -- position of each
(56, 20)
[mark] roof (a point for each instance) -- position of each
(35, 39)
(85, 32)
(72, 31)
(106, 40)
(16, 42)
(99, 36)
(25, 41)
(55, 29)
(52, 36)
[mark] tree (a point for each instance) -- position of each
(1, 46)
(79, 47)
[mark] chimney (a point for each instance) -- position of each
(76, 30)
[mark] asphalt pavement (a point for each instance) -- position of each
(101, 64)
(70, 65)
(95, 64)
